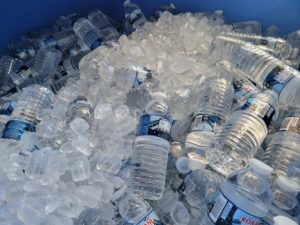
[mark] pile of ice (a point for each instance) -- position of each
(75, 168)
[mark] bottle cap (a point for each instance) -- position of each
(260, 167)
(182, 165)
(287, 184)
(283, 220)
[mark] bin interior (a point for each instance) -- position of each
(19, 16)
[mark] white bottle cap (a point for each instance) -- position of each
(287, 184)
(283, 220)
(182, 165)
(260, 167)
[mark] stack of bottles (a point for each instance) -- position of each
(167, 120)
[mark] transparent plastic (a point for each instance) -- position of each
(150, 156)
(247, 189)
(90, 35)
(238, 139)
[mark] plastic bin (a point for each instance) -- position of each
(19, 16)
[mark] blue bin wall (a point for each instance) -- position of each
(18, 16)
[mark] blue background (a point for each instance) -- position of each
(18, 16)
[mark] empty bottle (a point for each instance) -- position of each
(81, 108)
(136, 211)
(71, 63)
(134, 17)
(151, 149)
(276, 46)
(241, 135)
(284, 200)
(213, 107)
(25, 116)
(243, 89)
(244, 197)
(282, 220)
(283, 148)
(294, 171)
(90, 35)
(263, 69)
(250, 27)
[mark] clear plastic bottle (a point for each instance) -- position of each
(284, 200)
(213, 107)
(283, 148)
(101, 21)
(62, 40)
(71, 63)
(151, 149)
(25, 116)
(294, 171)
(250, 27)
(241, 135)
(263, 69)
(244, 197)
(243, 89)
(276, 46)
(136, 211)
(134, 17)
(90, 35)
(45, 66)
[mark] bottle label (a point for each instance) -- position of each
(141, 75)
(278, 78)
(224, 212)
(262, 109)
(149, 219)
(154, 125)
(242, 88)
(203, 122)
(291, 124)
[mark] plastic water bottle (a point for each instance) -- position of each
(276, 46)
(101, 21)
(283, 147)
(62, 40)
(284, 201)
(180, 214)
(244, 197)
(90, 35)
(241, 135)
(243, 89)
(71, 63)
(134, 17)
(282, 220)
(151, 149)
(250, 27)
(45, 66)
(294, 171)
(213, 107)
(136, 211)
(8, 65)
(263, 69)
(25, 116)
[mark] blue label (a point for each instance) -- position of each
(14, 129)
(242, 89)
(224, 212)
(149, 219)
(50, 41)
(278, 78)
(96, 44)
(154, 125)
(202, 122)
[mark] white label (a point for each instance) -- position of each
(218, 207)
